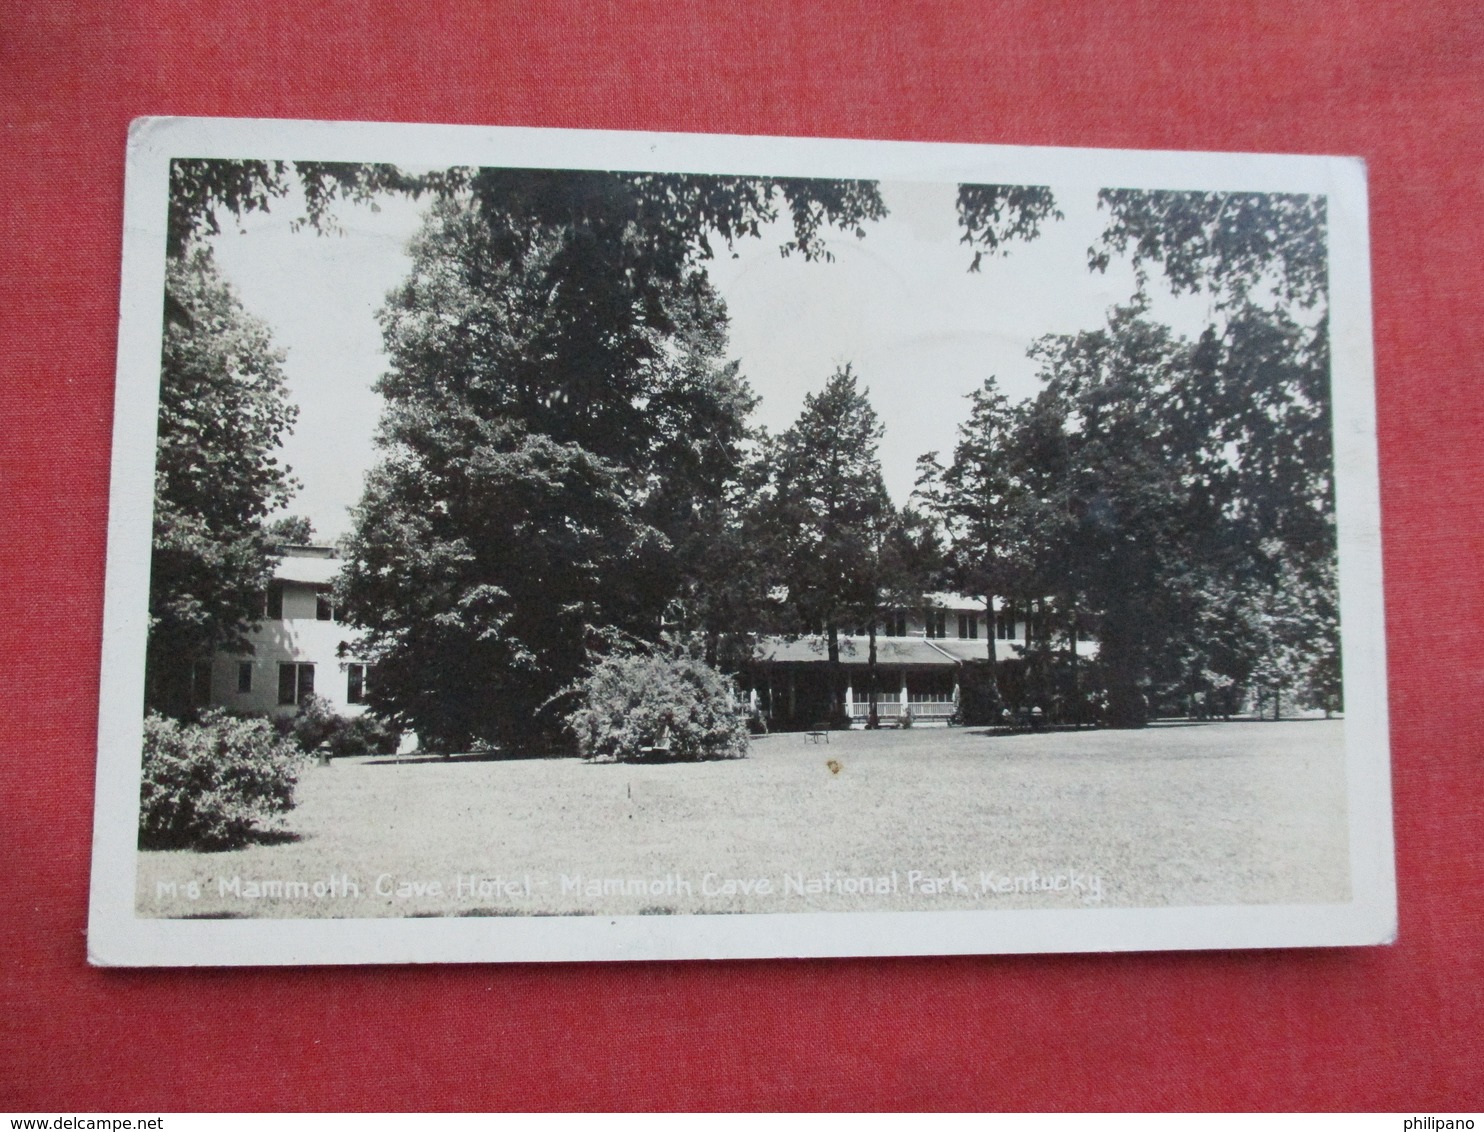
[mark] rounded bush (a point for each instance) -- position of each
(658, 707)
(317, 722)
(213, 784)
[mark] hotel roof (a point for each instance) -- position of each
(855, 651)
(313, 565)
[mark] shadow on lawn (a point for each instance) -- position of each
(1152, 725)
(419, 758)
(251, 837)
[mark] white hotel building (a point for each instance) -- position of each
(299, 649)
(920, 656)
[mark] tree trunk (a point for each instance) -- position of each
(1076, 698)
(992, 703)
(873, 720)
(836, 698)
(1127, 705)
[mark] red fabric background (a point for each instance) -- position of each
(1399, 82)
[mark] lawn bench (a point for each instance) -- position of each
(661, 746)
(818, 733)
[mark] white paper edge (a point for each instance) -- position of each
(117, 937)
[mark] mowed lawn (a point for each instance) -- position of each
(1181, 814)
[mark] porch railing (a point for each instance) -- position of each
(891, 710)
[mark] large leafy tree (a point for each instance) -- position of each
(1138, 494)
(205, 190)
(1268, 249)
(1190, 505)
(1179, 492)
(563, 437)
(1265, 397)
(223, 413)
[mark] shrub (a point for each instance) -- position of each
(314, 722)
(318, 722)
(212, 784)
(366, 734)
(629, 703)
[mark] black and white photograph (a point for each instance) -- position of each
(556, 545)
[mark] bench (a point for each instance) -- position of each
(819, 732)
(661, 745)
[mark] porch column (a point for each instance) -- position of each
(902, 704)
(849, 698)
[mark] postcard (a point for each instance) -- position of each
(546, 545)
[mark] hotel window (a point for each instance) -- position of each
(324, 608)
(273, 602)
(295, 683)
(244, 677)
(896, 625)
(1005, 624)
(355, 683)
(937, 623)
(968, 627)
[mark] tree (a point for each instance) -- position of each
(291, 530)
(992, 216)
(1262, 402)
(1240, 248)
(982, 501)
(482, 578)
(202, 188)
(1136, 482)
(902, 557)
(724, 546)
(563, 438)
(1198, 522)
(223, 412)
(831, 505)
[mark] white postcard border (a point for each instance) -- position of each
(118, 937)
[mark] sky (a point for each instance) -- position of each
(900, 306)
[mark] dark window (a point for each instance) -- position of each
(244, 677)
(937, 623)
(324, 609)
(968, 627)
(896, 625)
(295, 683)
(355, 683)
(1005, 624)
(273, 605)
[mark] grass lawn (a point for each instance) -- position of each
(1177, 814)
